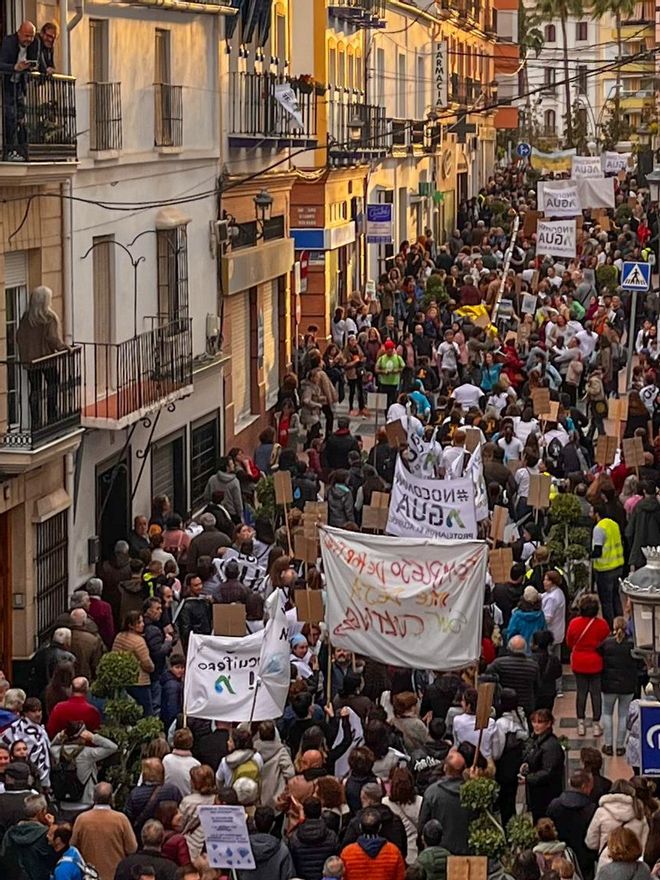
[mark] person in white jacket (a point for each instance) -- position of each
(618, 809)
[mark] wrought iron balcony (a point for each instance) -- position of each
(39, 402)
(257, 114)
(125, 381)
(357, 132)
(463, 90)
(168, 130)
(414, 136)
(360, 13)
(38, 118)
(105, 122)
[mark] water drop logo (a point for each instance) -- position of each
(223, 682)
(454, 518)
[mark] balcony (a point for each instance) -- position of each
(357, 132)
(38, 121)
(105, 122)
(463, 90)
(197, 7)
(412, 137)
(168, 119)
(359, 13)
(126, 381)
(40, 407)
(257, 114)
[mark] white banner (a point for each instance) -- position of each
(287, 98)
(593, 192)
(615, 162)
(475, 471)
(559, 201)
(426, 508)
(235, 679)
(556, 238)
(586, 166)
(415, 602)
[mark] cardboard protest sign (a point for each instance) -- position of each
(472, 438)
(377, 401)
(412, 602)
(485, 694)
(467, 868)
(306, 547)
(380, 499)
(374, 518)
(539, 491)
(309, 605)
(500, 562)
(283, 487)
(617, 408)
(396, 433)
(498, 522)
(229, 620)
(606, 448)
(633, 452)
(540, 401)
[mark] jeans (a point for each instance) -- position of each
(355, 386)
(142, 696)
(588, 684)
(609, 701)
(607, 584)
(391, 391)
(156, 690)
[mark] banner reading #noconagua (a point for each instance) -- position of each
(412, 602)
(556, 238)
(559, 200)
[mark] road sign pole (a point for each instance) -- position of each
(631, 337)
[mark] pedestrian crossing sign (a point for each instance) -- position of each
(636, 276)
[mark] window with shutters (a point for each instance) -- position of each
(16, 302)
(52, 571)
(172, 246)
(240, 357)
(581, 31)
(168, 471)
(204, 452)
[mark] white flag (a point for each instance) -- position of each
(475, 471)
(238, 679)
(287, 98)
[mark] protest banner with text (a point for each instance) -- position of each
(413, 602)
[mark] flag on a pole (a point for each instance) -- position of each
(286, 96)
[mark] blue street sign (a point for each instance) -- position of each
(636, 276)
(524, 151)
(649, 730)
(379, 223)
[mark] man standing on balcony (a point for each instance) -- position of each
(47, 36)
(19, 53)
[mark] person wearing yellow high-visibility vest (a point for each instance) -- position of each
(608, 559)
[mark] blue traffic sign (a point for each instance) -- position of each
(524, 151)
(636, 276)
(649, 736)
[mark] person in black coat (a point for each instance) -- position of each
(15, 69)
(572, 812)
(158, 643)
(549, 669)
(592, 761)
(171, 692)
(312, 842)
(543, 766)
(619, 683)
(194, 614)
(338, 445)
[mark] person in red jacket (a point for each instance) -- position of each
(76, 708)
(584, 636)
(372, 857)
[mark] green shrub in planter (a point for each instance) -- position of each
(607, 277)
(434, 292)
(486, 838)
(520, 832)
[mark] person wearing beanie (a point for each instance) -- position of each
(527, 618)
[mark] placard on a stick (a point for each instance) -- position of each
(617, 408)
(229, 620)
(467, 868)
(309, 605)
(396, 433)
(633, 452)
(316, 511)
(540, 401)
(472, 438)
(283, 487)
(380, 499)
(500, 562)
(539, 491)
(377, 401)
(374, 518)
(485, 694)
(606, 448)
(306, 547)
(552, 413)
(498, 522)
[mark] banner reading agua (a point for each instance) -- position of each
(235, 679)
(426, 508)
(413, 602)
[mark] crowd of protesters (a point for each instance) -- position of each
(362, 774)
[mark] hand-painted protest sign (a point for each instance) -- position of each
(560, 201)
(413, 602)
(425, 508)
(238, 679)
(556, 238)
(226, 835)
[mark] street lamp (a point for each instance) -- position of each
(643, 589)
(355, 128)
(653, 180)
(263, 203)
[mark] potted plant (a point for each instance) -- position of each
(485, 834)
(569, 543)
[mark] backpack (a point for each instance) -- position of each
(87, 871)
(64, 780)
(247, 770)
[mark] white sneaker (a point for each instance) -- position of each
(581, 728)
(597, 729)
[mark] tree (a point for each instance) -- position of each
(530, 39)
(620, 9)
(550, 11)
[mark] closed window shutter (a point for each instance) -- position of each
(162, 470)
(240, 355)
(15, 269)
(271, 341)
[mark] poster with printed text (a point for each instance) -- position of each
(410, 602)
(586, 166)
(556, 238)
(559, 200)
